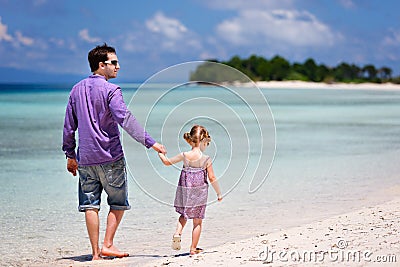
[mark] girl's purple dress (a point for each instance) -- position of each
(192, 191)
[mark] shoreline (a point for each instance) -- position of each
(293, 84)
(320, 85)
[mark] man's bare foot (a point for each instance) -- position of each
(96, 257)
(96, 254)
(112, 252)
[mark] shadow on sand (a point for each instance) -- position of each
(188, 254)
(88, 257)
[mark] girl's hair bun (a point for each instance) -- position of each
(186, 136)
(197, 134)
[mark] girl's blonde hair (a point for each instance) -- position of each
(197, 134)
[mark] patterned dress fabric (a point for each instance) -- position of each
(192, 191)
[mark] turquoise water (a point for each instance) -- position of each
(334, 150)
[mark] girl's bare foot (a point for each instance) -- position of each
(195, 251)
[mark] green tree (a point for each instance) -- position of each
(250, 65)
(241, 65)
(280, 68)
(385, 73)
(370, 71)
(311, 69)
(323, 73)
(264, 70)
(235, 62)
(346, 73)
(299, 71)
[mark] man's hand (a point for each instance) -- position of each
(72, 166)
(159, 148)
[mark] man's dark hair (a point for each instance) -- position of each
(99, 54)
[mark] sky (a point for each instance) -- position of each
(51, 38)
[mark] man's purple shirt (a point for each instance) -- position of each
(96, 108)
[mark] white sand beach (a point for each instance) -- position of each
(365, 237)
(315, 85)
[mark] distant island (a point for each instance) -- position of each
(260, 69)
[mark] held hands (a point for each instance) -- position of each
(159, 148)
(163, 159)
(72, 166)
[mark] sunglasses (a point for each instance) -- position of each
(114, 62)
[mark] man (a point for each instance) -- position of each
(95, 109)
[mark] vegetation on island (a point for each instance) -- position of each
(258, 68)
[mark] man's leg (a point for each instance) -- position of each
(113, 219)
(92, 225)
(114, 182)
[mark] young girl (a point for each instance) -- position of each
(191, 193)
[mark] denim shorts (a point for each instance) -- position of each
(111, 177)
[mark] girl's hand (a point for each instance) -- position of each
(159, 148)
(164, 159)
(219, 198)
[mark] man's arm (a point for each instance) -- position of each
(69, 143)
(129, 122)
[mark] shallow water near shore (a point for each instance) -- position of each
(335, 150)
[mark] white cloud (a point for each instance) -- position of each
(23, 39)
(280, 27)
(169, 27)
(84, 34)
(3, 33)
(170, 34)
(393, 39)
(17, 40)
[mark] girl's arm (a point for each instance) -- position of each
(213, 181)
(170, 161)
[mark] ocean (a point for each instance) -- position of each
(310, 153)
